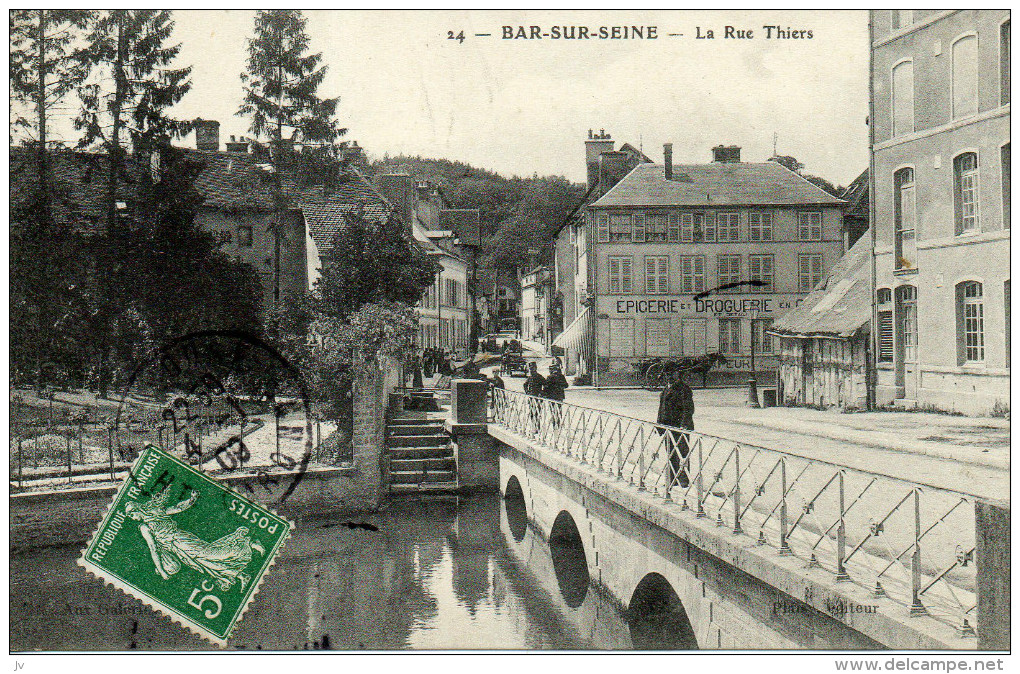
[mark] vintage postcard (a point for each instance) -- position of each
(512, 330)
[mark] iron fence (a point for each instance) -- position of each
(910, 543)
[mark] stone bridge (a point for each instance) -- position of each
(720, 562)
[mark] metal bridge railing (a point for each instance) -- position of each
(910, 543)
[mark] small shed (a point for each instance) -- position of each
(824, 341)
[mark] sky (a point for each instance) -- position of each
(522, 107)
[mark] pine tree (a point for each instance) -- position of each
(281, 86)
(131, 86)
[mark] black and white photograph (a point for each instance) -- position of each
(498, 332)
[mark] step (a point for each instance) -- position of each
(410, 421)
(400, 453)
(417, 440)
(431, 464)
(425, 487)
(416, 477)
(417, 429)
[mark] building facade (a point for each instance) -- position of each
(940, 185)
(685, 260)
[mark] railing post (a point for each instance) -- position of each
(19, 464)
(736, 492)
(701, 481)
(841, 574)
(109, 445)
(641, 464)
(916, 607)
(67, 438)
(784, 545)
(619, 461)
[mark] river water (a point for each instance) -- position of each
(439, 574)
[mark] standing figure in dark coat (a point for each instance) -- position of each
(555, 389)
(534, 386)
(428, 364)
(676, 409)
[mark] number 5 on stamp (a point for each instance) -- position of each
(185, 545)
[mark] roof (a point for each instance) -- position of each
(856, 197)
(715, 184)
(841, 305)
(79, 179)
(465, 222)
(325, 219)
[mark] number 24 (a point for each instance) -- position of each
(459, 36)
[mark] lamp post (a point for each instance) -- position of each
(752, 383)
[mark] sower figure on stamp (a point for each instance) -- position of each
(676, 409)
(555, 389)
(170, 546)
(534, 386)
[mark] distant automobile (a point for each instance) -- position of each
(502, 337)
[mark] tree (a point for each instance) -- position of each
(131, 88)
(43, 70)
(789, 162)
(281, 84)
(371, 261)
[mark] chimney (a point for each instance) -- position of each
(596, 144)
(399, 190)
(207, 135)
(726, 154)
(612, 167)
(667, 160)
(237, 145)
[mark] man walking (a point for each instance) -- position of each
(534, 386)
(676, 409)
(555, 389)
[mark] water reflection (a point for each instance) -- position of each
(436, 575)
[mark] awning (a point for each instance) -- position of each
(575, 333)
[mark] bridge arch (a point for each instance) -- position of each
(516, 508)
(569, 562)
(656, 617)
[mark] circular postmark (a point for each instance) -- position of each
(226, 402)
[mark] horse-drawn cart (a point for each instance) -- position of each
(656, 372)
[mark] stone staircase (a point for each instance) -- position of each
(420, 456)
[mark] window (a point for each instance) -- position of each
(908, 321)
(655, 227)
(621, 337)
(729, 335)
(621, 278)
(965, 172)
(965, 76)
(692, 274)
(885, 326)
(638, 229)
(809, 271)
(761, 269)
(603, 227)
(760, 226)
(452, 294)
(901, 18)
(619, 228)
(761, 340)
(1004, 160)
(728, 271)
(1004, 63)
(809, 226)
(674, 226)
(729, 227)
(970, 322)
(657, 331)
(244, 236)
(656, 274)
(905, 214)
(903, 98)
(697, 227)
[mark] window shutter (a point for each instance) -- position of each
(699, 274)
(603, 228)
(650, 275)
(638, 229)
(710, 227)
(674, 227)
(663, 275)
(626, 275)
(614, 274)
(688, 227)
(885, 336)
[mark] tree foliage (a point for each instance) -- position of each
(370, 262)
(281, 81)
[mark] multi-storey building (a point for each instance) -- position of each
(685, 260)
(940, 182)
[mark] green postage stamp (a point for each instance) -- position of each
(185, 545)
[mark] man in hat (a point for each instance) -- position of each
(534, 386)
(555, 389)
(676, 410)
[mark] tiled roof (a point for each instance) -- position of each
(325, 219)
(715, 184)
(79, 179)
(840, 306)
(856, 197)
